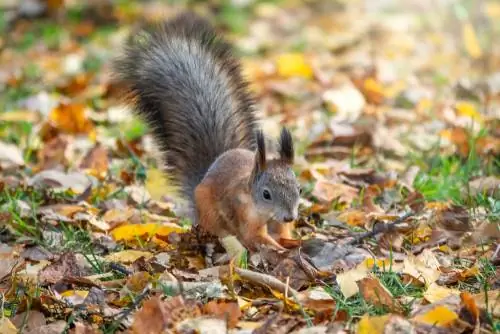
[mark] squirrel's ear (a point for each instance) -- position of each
(260, 155)
(286, 146)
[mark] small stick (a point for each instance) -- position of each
(380, 229)
(266, 280)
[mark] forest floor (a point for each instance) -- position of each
(394, 107)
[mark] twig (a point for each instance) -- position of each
(266, 280)
(380, 228)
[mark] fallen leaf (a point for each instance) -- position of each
(372, 291)
(56, 327)
(471, 43)
(467, 109)
(96, 161)
(117, 216)
(157, 315)
(19, 116)
(71, 118)
(372, 325)
(316, 299)
(138, 281)
(226, 310)
(74, 181)
(10, 155)
(157, 184)
(134, 231)
(419, 271)
(436, 293)
(489, 301)
(31, 320)
(293, 65)
(346, 102)
(347, 281)
(440, 316)
(128, 256)
(65, 266)
(353, 218)
(327, 191)
(53, 153)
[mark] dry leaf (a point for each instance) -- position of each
(372, 291)
(435, 293)
(293, 65)
(224, 310)
(346, 102)
(71, 118)
(438, 316)
(10, 155)
(128, 256)
(326, 191)
(134, 231)
(65, 266)
(471, 43)
(157, 184)
(372, 325)
(96, 161)
(347, 281)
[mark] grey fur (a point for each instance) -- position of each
(184, 82)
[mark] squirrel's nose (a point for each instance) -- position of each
(288, 218)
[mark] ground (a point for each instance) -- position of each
(394, 107)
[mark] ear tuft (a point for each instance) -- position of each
(260, 155)
(286, 146)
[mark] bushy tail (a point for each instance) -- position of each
(184, 82)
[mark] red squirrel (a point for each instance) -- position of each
(183, 80)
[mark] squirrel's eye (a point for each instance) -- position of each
(267, 195)
(300, 190)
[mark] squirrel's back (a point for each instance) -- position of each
(184, 82)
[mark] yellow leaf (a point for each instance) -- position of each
(157, 184)
(128, 256)
(134, 231)
(435, 293)
(467, 109)
(19, 116)
(492, 9)
(70, 293)
(372, 325)
(471, 43)
(347, 280)
(293, 65)
(438, 316)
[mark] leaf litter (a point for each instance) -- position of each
(396, 122)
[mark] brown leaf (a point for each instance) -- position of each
(83, 328)
(374, 292)
(66, 265)
(327, 191)
(157, 315)
(225, 310)
(32, 320)
(96, 161)
(53, 153)
(76, 85)
(316, 299)
(52, 328)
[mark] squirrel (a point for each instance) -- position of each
(183, 81)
